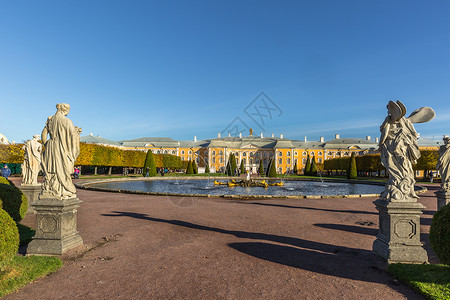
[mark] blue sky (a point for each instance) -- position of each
(181, 69)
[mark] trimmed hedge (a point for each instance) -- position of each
(9, 238)
(3, 180)
(440, 234)
(13, 201)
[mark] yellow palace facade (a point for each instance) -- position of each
(253, 149)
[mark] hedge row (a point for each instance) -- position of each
(372, 162)
(99, 155)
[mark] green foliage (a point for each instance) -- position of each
(295, 168)
(440, 234)
(9, 238)
(13, 201)
(189, 169)
(242, 167)
(228, 169)
(428, 160)
(261, 167)
(11, 153)
(207, 171)
(194, 167)
(272, 169)
(352, 172)
(149, 165)
(432, 281)
(22, 270)
(3, 180)
(25, 233)
(233, 163)
(307, 166)
(313, 170)
(170, 162)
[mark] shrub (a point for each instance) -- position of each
(189, 169)
(440, 234)
(261, 168)
(242, 167)
(352, 172)
(3, 180)
(9, 238)
(295, 168)
(13, 201)
(272, 169)
(194, 167)
(313, 171)
(149, 164)
(307, 166)
(207, 171)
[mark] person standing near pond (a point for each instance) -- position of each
(61, 150)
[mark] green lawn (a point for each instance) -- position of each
(432, 281)
(24, 269)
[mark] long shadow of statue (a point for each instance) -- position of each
(333, 260)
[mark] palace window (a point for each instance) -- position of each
(182, 158)
(165, 152)
(213, 152)
(173, 152)
(304, 153)
(190, 152)
(244, 154)
(250, 160)
(312, 153)
(280, 153)
(265, 161)
(288, 161)
(265, 154)
(257, 160)
(213, 160)
(320, 153)
(197, 160)
(182, 152)
(319, 160)
(304, 161)
(338, 153)
(245, 161)
(189, 158)
(220, 152)
(158, 152)
(280, 161)
(288, 153)
(220, 160)
(295, 153)
(280, 170)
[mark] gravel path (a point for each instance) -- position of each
(151, 247)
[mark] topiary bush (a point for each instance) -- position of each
(13, 201)
(440, 234)
(9, 238)
(3, 180)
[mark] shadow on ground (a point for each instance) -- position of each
(333, 260)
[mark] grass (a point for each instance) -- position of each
(432, 281)
(24, 269)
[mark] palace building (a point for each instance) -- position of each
(253, 149)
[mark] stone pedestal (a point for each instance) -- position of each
(443, 198)
(32, 192)
(398, 239)
(56, 227)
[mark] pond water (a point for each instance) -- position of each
(202, 186)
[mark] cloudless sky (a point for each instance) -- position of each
(181, 69)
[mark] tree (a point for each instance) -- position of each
(295, 168)
(242, 167)
(194, 167)
(308, 166)
(272, 169)
(261, 168)
(189, 169)
(427, 161)
(207, 171)
(352, 172)
(313, 170)
(233, 163)
(149, 165)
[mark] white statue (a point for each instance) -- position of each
(399, 150)
(443, 164)
(32, 161)
(61, 151)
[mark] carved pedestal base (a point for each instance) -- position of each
(398, 239)
(56, 227)
(32, 193)
(443, 198)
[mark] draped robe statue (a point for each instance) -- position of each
(61, 150)
(443, 164)
(32, 161)
(399, 150)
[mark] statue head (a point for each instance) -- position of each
(36, 136)
(446, 140)
(64, 108)
(396, 110)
